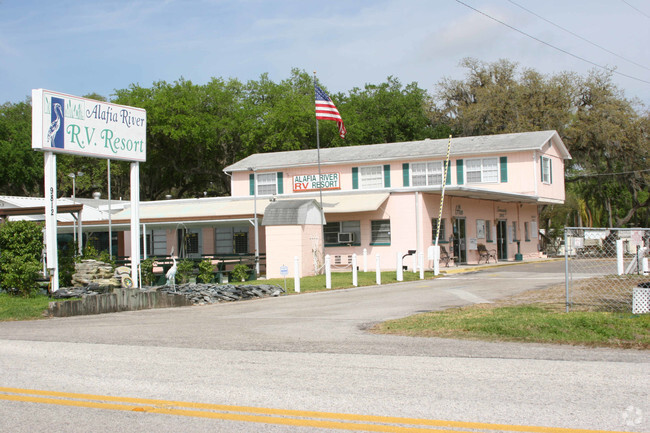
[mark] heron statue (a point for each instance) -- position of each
(171, 273)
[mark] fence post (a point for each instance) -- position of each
(296, 274)
(566, 270)
(619, 257)
(328, 272)
(400, 270)
(365, 260)
(377, 270)
(355, 281)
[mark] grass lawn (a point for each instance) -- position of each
(527, 323)
(19, 308)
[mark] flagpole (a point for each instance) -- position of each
(320, 183)
(442, 196)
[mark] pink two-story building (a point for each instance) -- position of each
(385, 198)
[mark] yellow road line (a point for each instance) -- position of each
(263, 415)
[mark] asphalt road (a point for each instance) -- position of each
(306, 363)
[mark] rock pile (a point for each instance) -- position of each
(93, 271)
(212, 293)
(196, 293)
(99, 274)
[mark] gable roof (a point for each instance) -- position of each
(484, 144)
(292, 212)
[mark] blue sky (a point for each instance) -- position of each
(79, 47)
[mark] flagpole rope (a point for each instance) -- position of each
(444, 183)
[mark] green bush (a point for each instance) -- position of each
(184, 271)
(21, 246)
(239, 273)
(66, 264)
(205, 270)
(146, 266)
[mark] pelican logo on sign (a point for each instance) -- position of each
(55, 136)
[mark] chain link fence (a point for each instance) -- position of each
(606, 269)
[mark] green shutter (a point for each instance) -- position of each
(387, 176)
(280, 183)
(550, 169)
(504, 168)
(355, 177)
(448, 181)
(251, 181)
(459, 172)
(405, 174)
(541, 168)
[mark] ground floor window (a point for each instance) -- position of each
(434, 228)
(231, 240)
(343, 233)
(189, 242)
(526, 231)
(156, 241)
(99, 241)
(380, 232)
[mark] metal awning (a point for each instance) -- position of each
(347, 203)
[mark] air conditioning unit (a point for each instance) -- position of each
(346, 238)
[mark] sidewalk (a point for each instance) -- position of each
(477, 267)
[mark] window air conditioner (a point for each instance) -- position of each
(346, 238)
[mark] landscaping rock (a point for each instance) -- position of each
(212, 293)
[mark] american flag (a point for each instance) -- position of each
(326, 110)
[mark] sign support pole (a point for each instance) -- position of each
(50, 219)
(135, 222)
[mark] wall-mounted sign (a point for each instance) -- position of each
(310, 182)
(459, 210)
(69, 124)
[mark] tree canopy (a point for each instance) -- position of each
(195, 130)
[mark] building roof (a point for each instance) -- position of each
(91, 209)
(292, 212)
(484, 144)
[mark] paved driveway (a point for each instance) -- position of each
(311, 352)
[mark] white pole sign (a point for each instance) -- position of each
(69, 124)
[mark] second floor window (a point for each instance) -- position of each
(483, 170)
(426, 173)
(546, 170)
(371, 177)
(266, 183)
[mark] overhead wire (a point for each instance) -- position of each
(636, 9)
(578, 36)
(612, 70)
